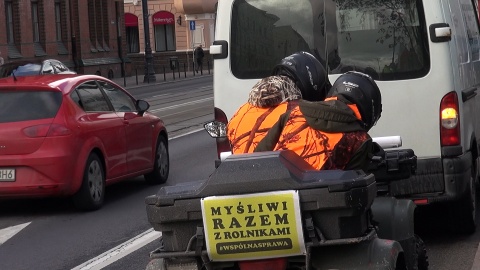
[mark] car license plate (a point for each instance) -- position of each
(253, 226)
(7, 175)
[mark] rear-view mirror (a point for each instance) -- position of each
(142, 106)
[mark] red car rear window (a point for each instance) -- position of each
(23, 106)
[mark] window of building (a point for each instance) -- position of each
(38, 30)
(98, 25)
(198, 35)
(9, 21)
(11, 24)
(35, 22)
(164, 28)
(58, 21)
(92, 26)
(131, 28)
(103, 33)
(60, 24)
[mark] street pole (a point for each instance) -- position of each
(149, 72)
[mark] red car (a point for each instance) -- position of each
(72, 135)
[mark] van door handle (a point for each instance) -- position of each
(440, 32)
(469, 93)
(219, 49)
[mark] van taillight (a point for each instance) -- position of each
(46, 130)
(449, 120)
(268, 264)
(223, 145)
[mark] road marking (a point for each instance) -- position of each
(188, 133)
(160, 95)
(181, 105)
(120, 251)
(9, 232)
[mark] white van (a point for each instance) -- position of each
(424, 55)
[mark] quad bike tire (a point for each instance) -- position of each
(421, 253)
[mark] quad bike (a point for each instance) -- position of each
(272, 210)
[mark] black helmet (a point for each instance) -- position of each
(307, 72)
(361, 90)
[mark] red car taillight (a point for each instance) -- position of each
(449, 120)
(46, 130)
(223, 145)
(268, 264)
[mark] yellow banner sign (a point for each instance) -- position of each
(253, 226)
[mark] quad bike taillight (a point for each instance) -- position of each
(267, 264)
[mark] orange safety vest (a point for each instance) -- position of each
(250, 124)
(322, 150)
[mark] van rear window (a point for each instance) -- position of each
(28, 105)
(386, 39)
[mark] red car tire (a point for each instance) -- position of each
(161, 165)
(91, 194)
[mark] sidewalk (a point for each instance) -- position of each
(138, 81)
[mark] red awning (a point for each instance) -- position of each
(131, 20)
(163, 17)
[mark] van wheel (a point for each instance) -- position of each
(462, 213)
(421, 252)
(92, 191)
(161, 165)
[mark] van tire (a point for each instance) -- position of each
(462, 213)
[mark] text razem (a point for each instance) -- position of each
(250, 220)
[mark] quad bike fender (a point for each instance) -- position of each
(395, 218)
(374, 254)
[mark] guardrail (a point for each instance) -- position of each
(175, 71)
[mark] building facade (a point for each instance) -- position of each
(175, 27)
(87, 35)
(106, 37)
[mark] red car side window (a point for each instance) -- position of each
(91, 98)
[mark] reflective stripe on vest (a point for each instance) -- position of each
(250, 124)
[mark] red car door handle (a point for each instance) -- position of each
(126, 122)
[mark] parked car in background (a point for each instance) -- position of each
(29, 68)
(72, 135)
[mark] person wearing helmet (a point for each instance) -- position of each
(307, 72)
(331, 134)
(295, 76)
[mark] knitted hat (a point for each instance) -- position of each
(273, 90)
